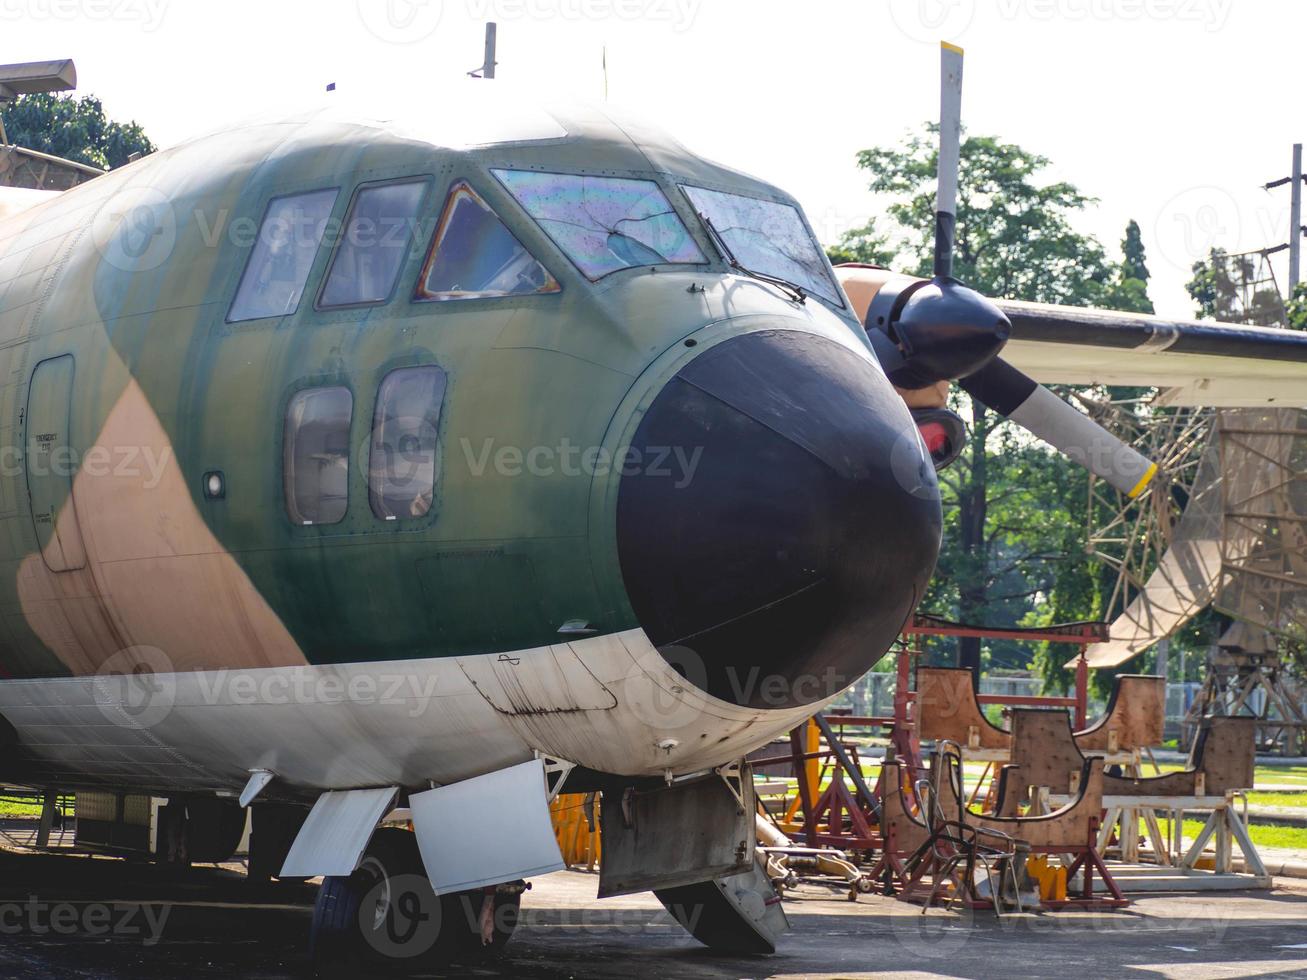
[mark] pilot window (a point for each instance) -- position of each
(282, 255)
(404, 458)
(604, 224)
(767, 237)
(373, 245)
(473, 255)
(315, 455)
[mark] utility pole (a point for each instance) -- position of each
(1296, 229)
(1295, 221)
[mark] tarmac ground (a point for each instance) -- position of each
(65, 915)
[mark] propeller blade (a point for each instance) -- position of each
(1029, 404)
(950, 148)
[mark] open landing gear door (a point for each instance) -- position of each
(691, 831)
(486, 830)
(332, 840)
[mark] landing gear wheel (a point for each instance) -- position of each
(384, 913)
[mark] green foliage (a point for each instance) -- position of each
(1014, 233)
(1133, 265)
(75, 129)
(1296, 310)
(1225, 287)
(864, 245)
(1014, 510)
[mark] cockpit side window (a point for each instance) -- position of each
(374, 244)
(282, 256)
(315, 455)
(604, 224)
(474, 255)
(767, 237)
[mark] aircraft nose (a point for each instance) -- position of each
(792, 527)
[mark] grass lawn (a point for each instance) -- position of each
(12, 808)
(1263, 835)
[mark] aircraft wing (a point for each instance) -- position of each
(1194, 362)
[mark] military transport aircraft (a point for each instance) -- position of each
(360, 474)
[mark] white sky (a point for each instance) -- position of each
(1172, 112)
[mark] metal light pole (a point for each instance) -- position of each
(1295, 221)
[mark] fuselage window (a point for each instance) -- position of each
(315, 455)
(767, 237)
(404, 459)
(604, 224)
(473, 255)
(282, 256)
(374, 244)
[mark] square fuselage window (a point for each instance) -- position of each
(282, 256)
(373, 245)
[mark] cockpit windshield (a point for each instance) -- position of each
(604, 224)
(767, 237)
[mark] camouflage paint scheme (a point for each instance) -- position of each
(177, 582)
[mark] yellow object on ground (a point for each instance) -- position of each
(578, 842)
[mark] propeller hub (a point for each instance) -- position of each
(942, 330)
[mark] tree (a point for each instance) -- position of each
(1228, 288)
(75, 129)
(1133, 265)
(1130, 291)
(864, 245)
(1296, 310)
(1014, 519)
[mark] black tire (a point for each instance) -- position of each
(385, 913)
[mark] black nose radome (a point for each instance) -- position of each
(776, 555)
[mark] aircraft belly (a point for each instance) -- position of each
(609, 703)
